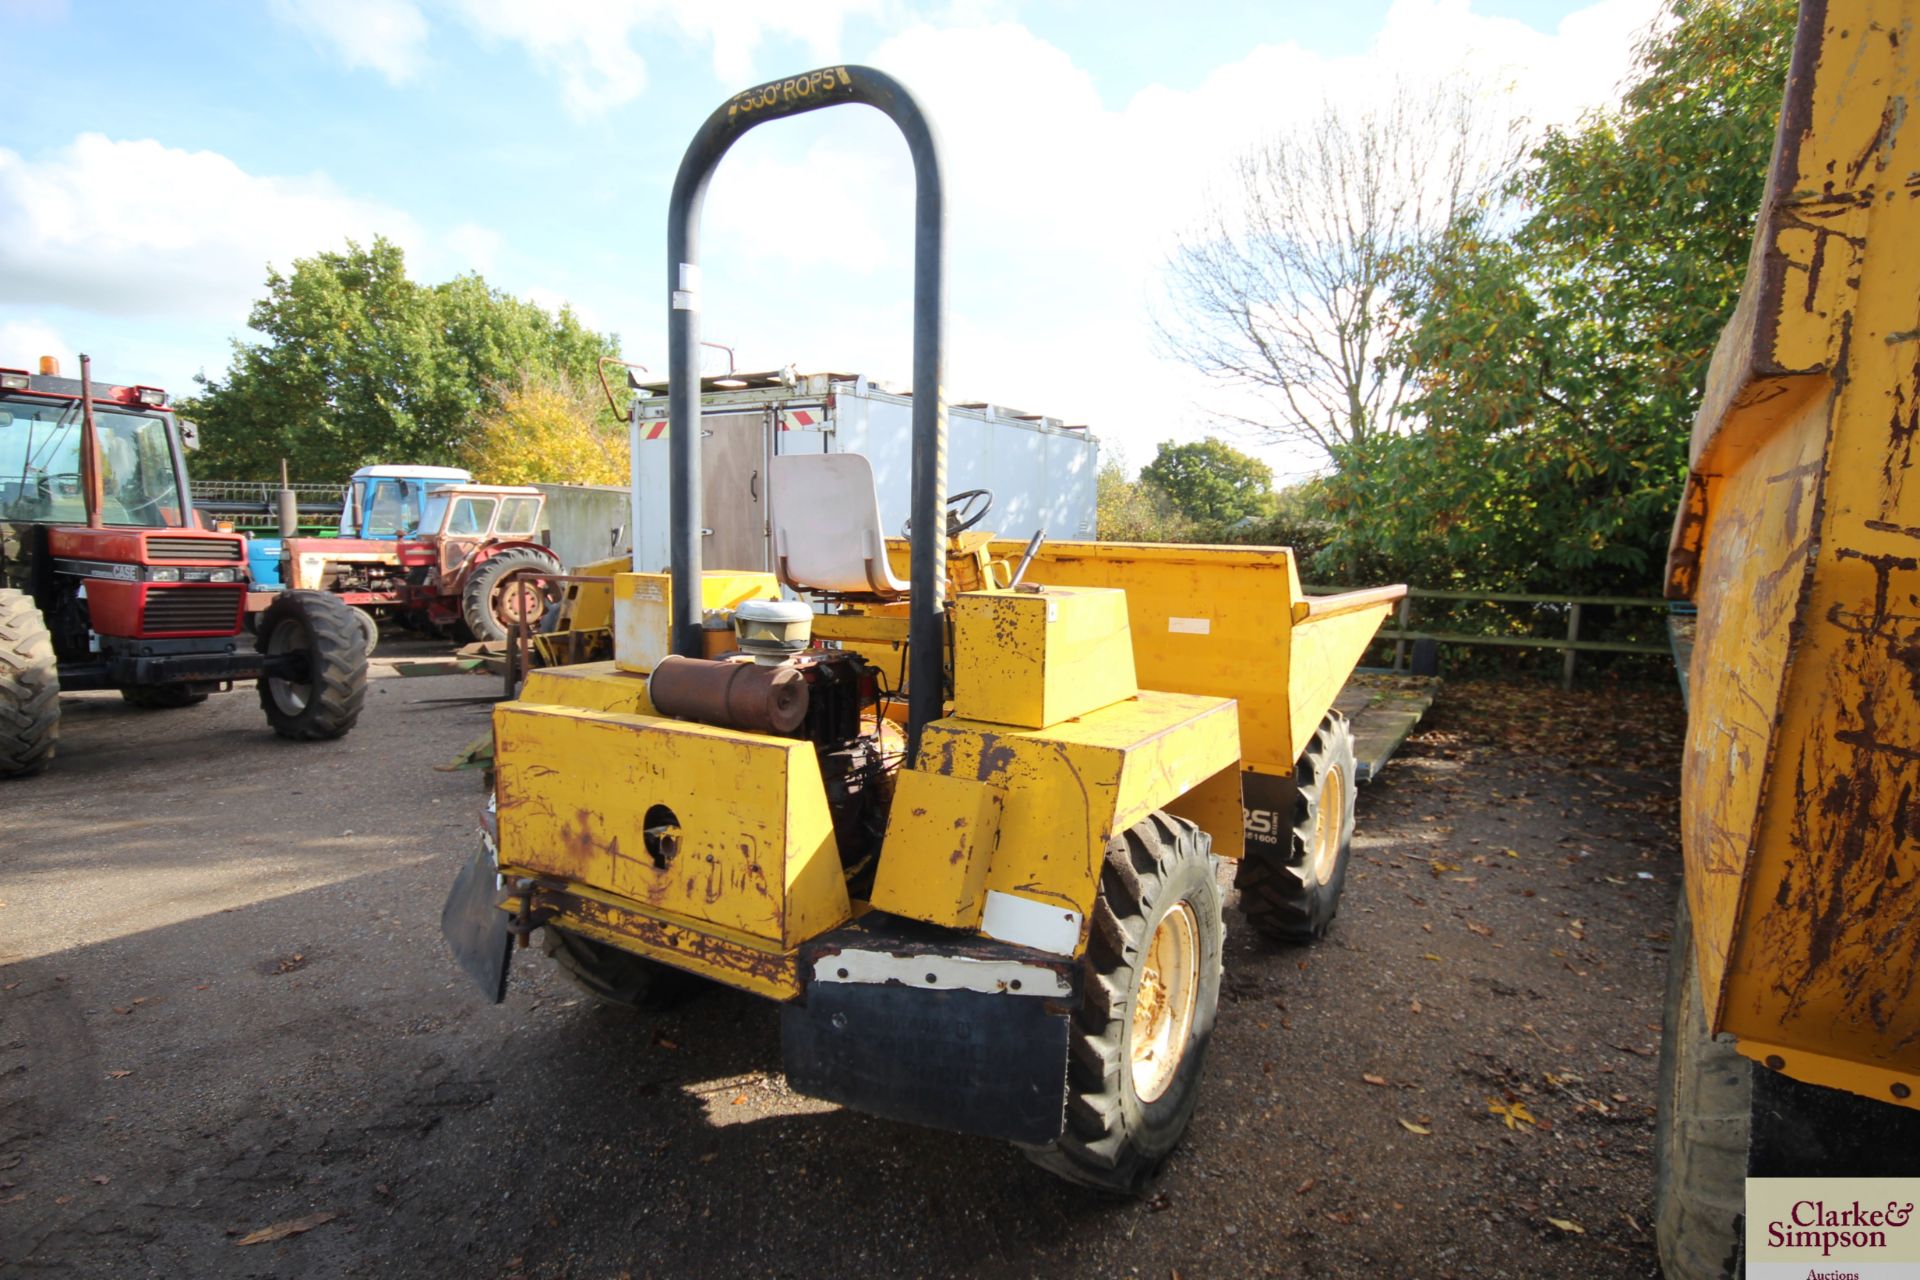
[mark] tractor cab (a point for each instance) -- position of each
(108, 580)
(386, 501)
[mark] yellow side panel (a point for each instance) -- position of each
(1036, 658)
(1205, 620)
(590, 686)
(643, 602)
(589, 605)
(1325, 652)
(1758, 558)
(755, 851)
(940, 840)
(1070, 788)
(1799, 540)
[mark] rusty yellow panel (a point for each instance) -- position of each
(1799, 540)
(1070, 787)
(940, 840)
(1215, 807)
(591, 686)
(642, 603)
(750, 844)
(1206, 620)
(735, 959)
(589, 605)
(1036, 658)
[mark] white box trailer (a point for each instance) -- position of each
(1042, 472)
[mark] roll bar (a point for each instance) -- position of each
(829, 86)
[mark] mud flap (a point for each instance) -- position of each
(475, 927)
(982, 1051)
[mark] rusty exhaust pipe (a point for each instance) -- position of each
(729, 695)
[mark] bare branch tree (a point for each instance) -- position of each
(1284, 287)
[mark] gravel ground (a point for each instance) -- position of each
(224, 1005)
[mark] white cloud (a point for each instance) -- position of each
(135, 227)
(388, 36)
(589, 45)
(477, 246)
(23, 342)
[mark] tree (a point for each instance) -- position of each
(1557, 365)
(1134, 510)
(361, 364)
(1285, 290)
(1210, 482)
(545, 428)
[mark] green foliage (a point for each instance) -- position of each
(360, 364)
(1557, 364)
(1210, 482)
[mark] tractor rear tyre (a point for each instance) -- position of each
(489, 608)
(1290, 893)
(164, 697)
(610, 976)
(327, 702)
(370, 625)
(1702, 1129)
(1138, 1044)
(29, 687)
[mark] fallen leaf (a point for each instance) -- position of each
(118, 1075)
(121, 1008)
(1414, 1007)
(1441, 868)
(1432, 957)
(139, 1000)
(1568, 1224)
(740, 1101)
(1510, 853)
(63, 1199)
(1411, 1127)
(102, 1179)
(1305, 1187)
(291, 1227)
(1371, 1078)
(1475, 926)
(1514, 1114)
(14, 1199)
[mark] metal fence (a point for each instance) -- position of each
(1404, 635)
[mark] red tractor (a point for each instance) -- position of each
(107, 581)
(435, 556)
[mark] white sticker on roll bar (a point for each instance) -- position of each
(942, 973)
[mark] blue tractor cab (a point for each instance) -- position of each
(386, 502)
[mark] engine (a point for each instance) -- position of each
(779, 684)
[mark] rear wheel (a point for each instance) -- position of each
(164, 697)
(370, 626)
(491, 604)
(1139, 1042)
(1291, 891)
(29, 687)
(614, 977)
(1702, 1131)
(324, 699)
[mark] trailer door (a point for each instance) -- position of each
(734, 448)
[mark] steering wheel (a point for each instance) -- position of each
(964, 510)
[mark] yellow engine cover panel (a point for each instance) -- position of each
(643, 604)
(1033, 659)
(753, 852)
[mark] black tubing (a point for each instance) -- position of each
(826, 87)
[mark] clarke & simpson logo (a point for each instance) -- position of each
(1833, 1229)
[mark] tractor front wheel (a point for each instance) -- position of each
(1139, 1042)
(490, 604)
(324, 700)
(164, 697)
(29, 687)
(1289, 892)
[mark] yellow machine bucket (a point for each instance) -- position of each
(1800, 540)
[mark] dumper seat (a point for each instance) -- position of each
(827, 537)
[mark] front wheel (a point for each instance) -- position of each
(321, 697)
(1290, 891)
(29, 687)
(1702, 1129)
(1139, 1042)
(613, 977)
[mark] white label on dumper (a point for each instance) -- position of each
(1190, 626)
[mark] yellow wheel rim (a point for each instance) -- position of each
(1326, 825)
(1163, 1002)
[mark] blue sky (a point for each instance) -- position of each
(158, 156)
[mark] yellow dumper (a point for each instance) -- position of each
(959, 806)
(1799, 541)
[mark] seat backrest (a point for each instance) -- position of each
(826, 525)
